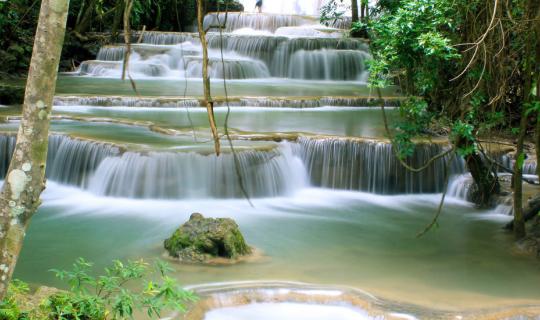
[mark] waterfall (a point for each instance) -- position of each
(299, 7)
(228, 68)
(7, 145)
(254, 46)
(318, 31)
(173, 53)
(111, 101)
(267, 22)
(111, 53)
(335, 163)
(372, 166)
(461, 187)
(180, 175)
(271, 102)
(72, 161)
(99, 68)
(69, 161)
(114, 68)
(166, 37)
(281, 62)
(327, 64)
(529, 167)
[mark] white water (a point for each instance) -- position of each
(275, 171)
(244, 57)
(287, 41)
(299, 7)
(191, 175)
(131, 201)
(328, 64)
(287, 311)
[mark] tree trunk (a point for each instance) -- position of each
(25, 179)
(354, 9)
(485, 180)
(365, 13)
(519, 221)
(487, 183)
(537, 71)
(86, 20)
(118, 14)
(362, 11)
(127, 36)
(206, 80)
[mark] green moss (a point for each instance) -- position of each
(201, 238)
(39, 151)
(179, 240)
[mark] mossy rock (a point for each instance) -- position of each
(202, 239)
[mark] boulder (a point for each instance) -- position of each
(200, 240)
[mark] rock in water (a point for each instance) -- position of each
(203, 239)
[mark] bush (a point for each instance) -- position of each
(123, 289)
(115, 295)
(9, 308)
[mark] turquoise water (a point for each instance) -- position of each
(316, 236)
(193, 87)
(342, 121)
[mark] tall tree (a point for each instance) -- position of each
(533, 9)
(354, 9)
(25, 180)
(537, 71)
(364, 6)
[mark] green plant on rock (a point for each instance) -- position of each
(124, 288)
(9, 308)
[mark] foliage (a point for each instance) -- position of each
(409, 45)
(123, 289)
(415, 120)
(332, 11)
(359, 27)
(17, 25)
(9, 310)
(118, 293)
(446, 53)
(18, 21)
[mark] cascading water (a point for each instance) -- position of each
(69, 161)
(191, 175)
(246, 56)
(461, 187)
(255, 46)
(228, 69)
(281, 63)
(7, 145)
(149, 102)
(267, 22)
(529, 167)
(330, 163)
(372, 166)
(72, 161)
(327, 64)
(307, 208)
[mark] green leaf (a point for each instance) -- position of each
(520, 160)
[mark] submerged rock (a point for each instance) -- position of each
(201, 240)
